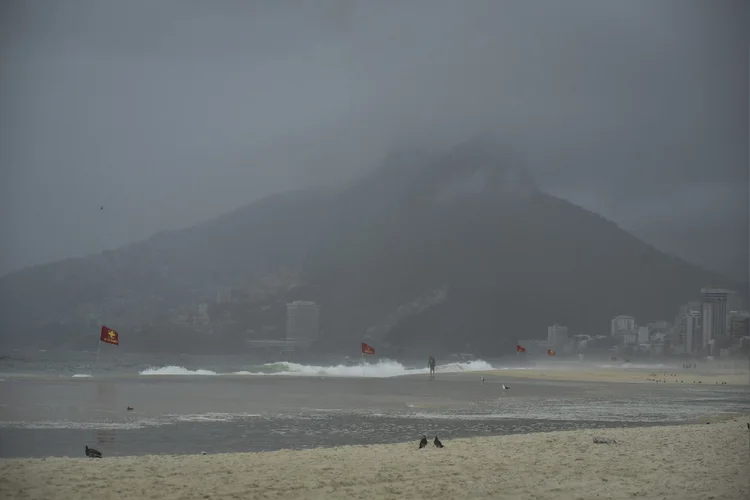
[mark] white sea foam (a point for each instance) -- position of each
(131, 423)
(385, 368)
(213, 417)
(81, 375)
(71, 424)
(174, 370)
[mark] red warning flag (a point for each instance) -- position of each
(109, 336)
(367, 349)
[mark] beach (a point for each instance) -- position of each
(309, 431)
(695, 461)
(670, 376)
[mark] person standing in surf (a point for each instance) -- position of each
(431, 365)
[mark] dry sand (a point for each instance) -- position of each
(674, 378)
(678, 462)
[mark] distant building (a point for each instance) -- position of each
(658, 327)
(581, 341)
(693, 333)
(630, 338)
(223, 295)
(557, 334)
(202, 318)
(302, 321)
(643, 335)
(739, 324)
(622, 324)
(713, 314)
(687, 328)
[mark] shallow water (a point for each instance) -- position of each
(265, 433)
(43, 417)
(221, 404)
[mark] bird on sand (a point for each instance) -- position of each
(437, 442)
(505, 387)
(423, 442)
(130, 408)
(483, 380)
(92, 453)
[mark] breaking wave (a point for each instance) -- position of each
(81, 375)
(382, 369)
(175, 370)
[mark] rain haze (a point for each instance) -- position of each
(374, 249)
(169, 113)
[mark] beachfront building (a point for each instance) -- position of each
(687, 329)
(630, 338)
(738, 325)
(557, 335)
(622, 325)
(693, 331)
(643, 335)
(713, 315)
(302, 318)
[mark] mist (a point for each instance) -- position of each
(169, 113)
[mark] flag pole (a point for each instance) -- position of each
(98, 351)
(363, 364)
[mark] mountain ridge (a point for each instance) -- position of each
(470, 221)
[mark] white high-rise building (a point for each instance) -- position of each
(622, 325)
(713, 314)
(302, 321)
(643, 335)
(557, 334)
(688, 325)
(738, 324)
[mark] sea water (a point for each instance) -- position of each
(55, 404)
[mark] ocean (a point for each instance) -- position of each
(52, 404)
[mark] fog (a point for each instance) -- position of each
(169, 113)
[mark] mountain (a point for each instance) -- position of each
(146, 283)
(427, 252)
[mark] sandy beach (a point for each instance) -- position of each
(671, 377)
(697, 461)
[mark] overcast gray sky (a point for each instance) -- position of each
(170, 112)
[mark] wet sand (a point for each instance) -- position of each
(624, 375)
(683, 462)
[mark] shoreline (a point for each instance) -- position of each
(686, 461)
(672, 378)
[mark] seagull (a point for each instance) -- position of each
(483, 380)
(92, 453)
(505, 387)
(437, 442)
(130, 408)
(423, 442)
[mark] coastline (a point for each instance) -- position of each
(671, 377)
(691, 461)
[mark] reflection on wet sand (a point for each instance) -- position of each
(106, 437)
(105, 395)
